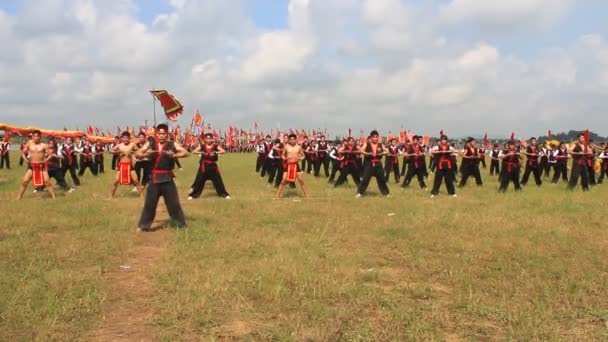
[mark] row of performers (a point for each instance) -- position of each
(160, 155)
(349, 158)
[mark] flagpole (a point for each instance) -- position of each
(154, 105)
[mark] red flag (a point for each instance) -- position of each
(350, 132)
(549, 135)
(173, 108)
(512, 135)
(90, 130)
(198, 119)
(586, 135)
(440, 133)
(485, 139)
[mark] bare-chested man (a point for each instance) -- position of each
(36, 154)
(125, 175)
(293, 154)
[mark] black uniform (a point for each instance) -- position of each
(68, 163)
(494, 162)
(208, 170)
(580, 168)
(372, 167)
(510, 172)
(416, 166)
(532, 166)
(322, 159)
(349, 166)
(444, 170)
(470, 167)
(391, 163)
(162, 184)
(560, 168)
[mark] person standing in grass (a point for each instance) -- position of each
(125, 175)
(348, 155)
(53, 166)
(162, 153)
(532, 164)
(604, 168)
(391, 162)
(208, 169)
(5, 158)
(373, 151)
(470, 163)
(293, 155)
(581, 153)
(495, 160)
(510, 167)
(442, 152)
(39, 153)
(417, 167)
(560, 160)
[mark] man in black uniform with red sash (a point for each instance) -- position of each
(208, 169)
(99, 158)
(86, 157)
(322, 150)
(510, 167)
(162, 154)
(443, 162)
(373, 151)
(391, 162)
(495, 160)
(580, 163)
(349, 166)
(415, 155)
(532, 164)
(560, 155)
(69, 161)
(470, 163)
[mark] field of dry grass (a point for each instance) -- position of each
(523, 266)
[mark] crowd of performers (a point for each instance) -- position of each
(361, 160)
(146, 162)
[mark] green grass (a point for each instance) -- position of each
(518, 266)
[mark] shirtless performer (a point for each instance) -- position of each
(293, 154)
(125, 175)
(39, 154)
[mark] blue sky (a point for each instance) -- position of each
(333, 62)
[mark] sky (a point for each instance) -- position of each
(462, 66)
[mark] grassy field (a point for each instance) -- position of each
(483, 266)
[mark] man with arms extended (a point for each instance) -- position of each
(39, 154)
(162, 153)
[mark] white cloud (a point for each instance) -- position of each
(340, 63)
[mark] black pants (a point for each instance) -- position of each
(373, 170)
(349, 169)
(309, 163)
(603, 172)
(143, 169)
(322, 161)
(591, 173)
(494, 167)
(99, 164)
(535, 170)
(259, 161)
(275, 171)
(335, 166)
(65, 168)
(412, 171)
(20, 161)
(5, 159)
(442, 175)
(579, 170)
(266, 165)
(391, 164)
(177, 163)
(114, 161)
(483, 162)
(404, 167)
(57, 173)
(545, 166)
(560, 169)
(509, 176)
(87, 164)
(211, 173)
(468, 170)
(169, 193)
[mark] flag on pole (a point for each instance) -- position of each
(173, 108)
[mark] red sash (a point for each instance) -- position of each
(292, 171)
(38, 174)
(125, 173)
